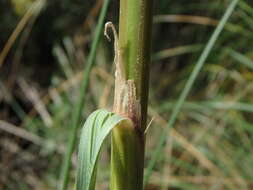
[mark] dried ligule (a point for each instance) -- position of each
(125, 101)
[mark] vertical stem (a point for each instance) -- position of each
(135, 27)
(128, 142)
(127, 159)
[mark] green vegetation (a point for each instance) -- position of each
(77, 109)
(95, 130)
(128, 143)
(190, 82)
(132, 58)
(57, 68)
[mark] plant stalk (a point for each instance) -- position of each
(128, 142)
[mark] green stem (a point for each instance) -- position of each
(81, 101)
(128, 143)
(135, 29)
(127, 159)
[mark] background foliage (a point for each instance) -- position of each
(211, 144)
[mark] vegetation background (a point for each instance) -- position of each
(43, 52)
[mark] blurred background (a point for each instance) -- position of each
(43, 52)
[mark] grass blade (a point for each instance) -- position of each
(80, 103)
(241, 58)
(188, 86)
(96, 128)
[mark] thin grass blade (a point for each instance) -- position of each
(77, 109)
(188, 87)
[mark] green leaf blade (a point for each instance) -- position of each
(95, 130)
